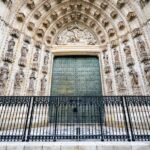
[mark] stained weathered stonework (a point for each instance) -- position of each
(33, 32)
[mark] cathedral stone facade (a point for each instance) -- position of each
(34, 32)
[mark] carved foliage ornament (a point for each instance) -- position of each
(76, 34)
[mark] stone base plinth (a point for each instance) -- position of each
(94, 145)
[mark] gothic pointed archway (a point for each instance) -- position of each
(34, 32)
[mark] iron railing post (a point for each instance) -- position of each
(27, 120)
(129, 120)
(56, 115)
(30, 119)
(127, 127)
(101, 111)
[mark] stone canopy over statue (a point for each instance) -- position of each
(76, 34)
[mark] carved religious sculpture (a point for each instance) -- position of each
(116, 59)
(43, 83)
(35, 60)
(120, 82)
(106, 62)
(36, 56)
(9, 53)
(23, 59)
(142, 49)
(4, 73)
(19, 77)
(45, 65)
(147, 73)
(76, 34)
(141, 46)
(129, 59)
(127, 51)
(116, 55)
(32, 83)
(46, 58)
(134, 78)
(109, 84)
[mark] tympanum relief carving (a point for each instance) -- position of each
(75, 34)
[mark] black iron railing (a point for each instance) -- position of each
(122, 118)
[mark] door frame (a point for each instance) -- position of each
(65, 50)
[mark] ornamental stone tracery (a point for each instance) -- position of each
(33, 32)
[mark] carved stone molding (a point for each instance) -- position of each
(20, 17)
(30, 4)
(136, 32)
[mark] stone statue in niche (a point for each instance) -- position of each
(134, 78)
(4, 74)
(129, 59)
(9, 53)
(23, 59)
(43, 83)
(120, 81)
(46, 58)
(36, 55)
(11, 44)
(32, 82)
(109, 84)
(147, 73)
(142, 49)
(116, 55)
(116, 59)
(45, 66)
(127, 51)
(106, 62)
(141, 46)
(76, 34)
(19, 77)
(35, 60)
(24, 52)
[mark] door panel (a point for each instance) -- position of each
(76, 76)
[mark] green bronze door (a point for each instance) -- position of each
(76, 76)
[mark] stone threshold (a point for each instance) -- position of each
(75, 146)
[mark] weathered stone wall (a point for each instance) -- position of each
(28, 36)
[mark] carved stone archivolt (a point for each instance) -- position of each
(4, 75)
(76, 34)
